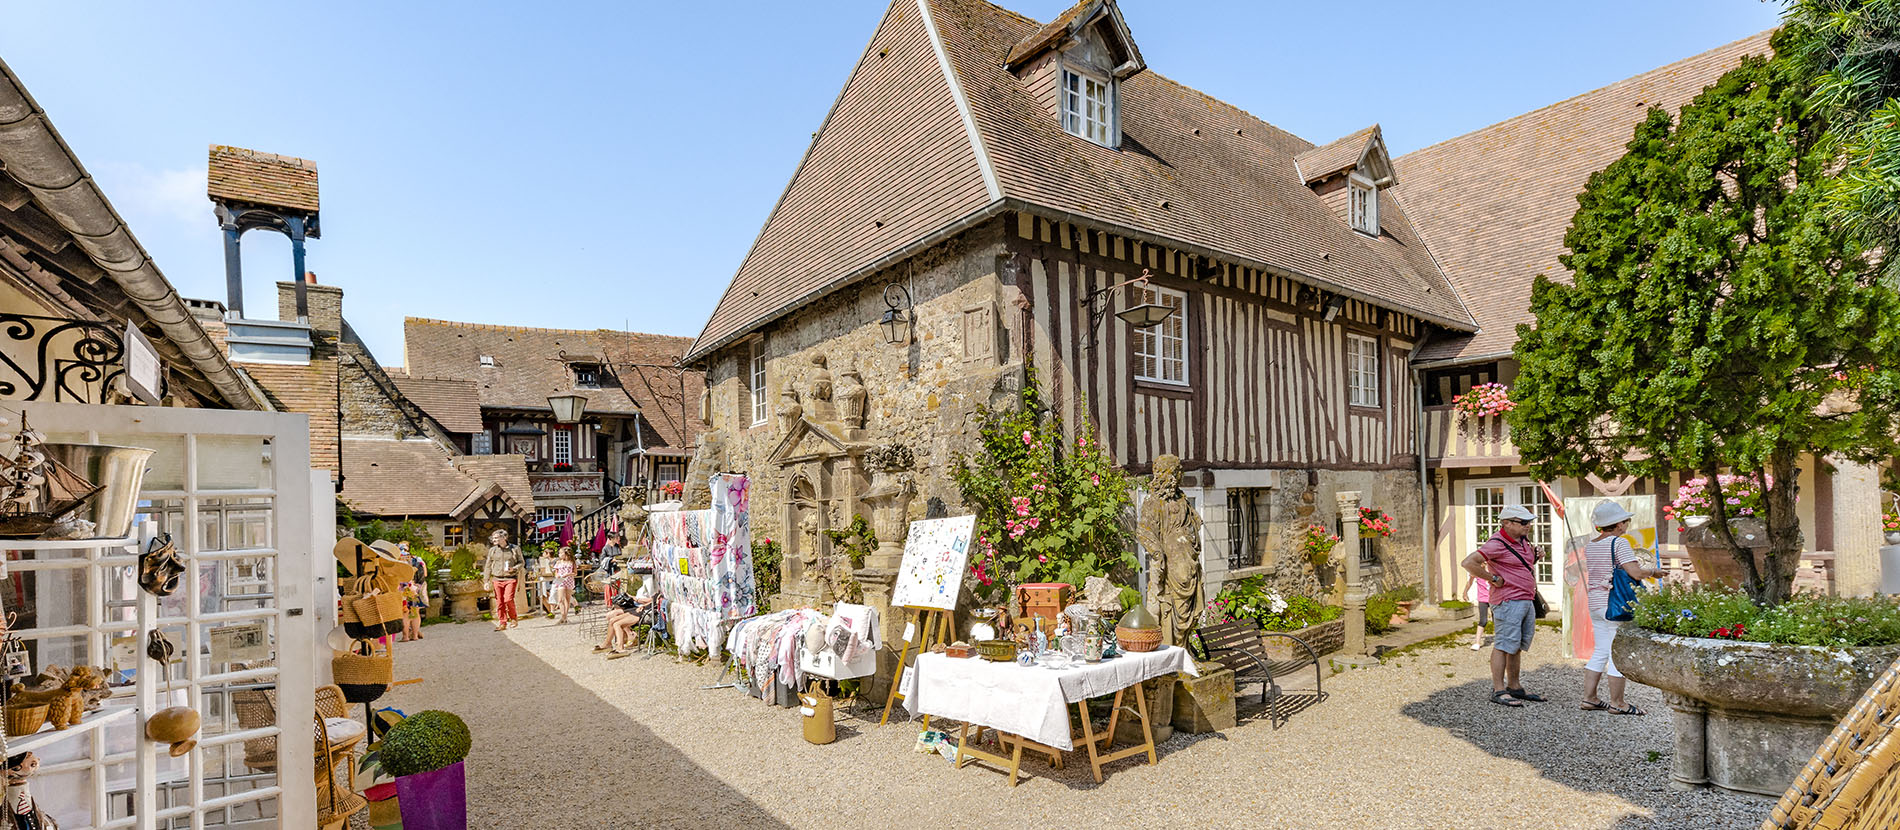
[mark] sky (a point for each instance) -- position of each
(607, 164)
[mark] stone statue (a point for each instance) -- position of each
(710, 458)
(818, 392)
(851, 399)
(1170, 530)
(789, 409)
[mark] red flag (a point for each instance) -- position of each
(567, 530)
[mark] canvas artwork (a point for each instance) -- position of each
(934, 556)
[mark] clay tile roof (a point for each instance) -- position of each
(241, 175)
(1494, 205)
(508, 471)
(384, 477)
(1320, 162)
(893, 165)
(452, 403)
(532, 363)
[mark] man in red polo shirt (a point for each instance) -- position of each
(1507, 561)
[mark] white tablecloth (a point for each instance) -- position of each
(1031, 701)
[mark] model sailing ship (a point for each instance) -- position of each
(36, 491)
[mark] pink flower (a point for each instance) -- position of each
(1035, 523)
(1043, 559)
(1095, 479)
(1038, 487)
(1026, 439)
(1021, 503)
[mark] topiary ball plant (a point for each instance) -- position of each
(423, 742)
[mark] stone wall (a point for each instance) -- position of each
(923, 395)
(1297, 498)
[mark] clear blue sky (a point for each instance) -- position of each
(607, 164)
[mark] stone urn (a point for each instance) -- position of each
(1715, 563)
(1747, 715)
(462, 595)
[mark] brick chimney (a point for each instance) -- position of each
(326, 304)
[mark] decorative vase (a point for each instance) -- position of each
(462, 594)
(1715, 562)
(1139, 630)
(1893, 537)
(174, 726)
(434, 800)
(119, 470)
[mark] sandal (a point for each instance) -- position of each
(619, 654)
(1520, 694)
(1629, 709)
(1502, 698)
(1594, 706)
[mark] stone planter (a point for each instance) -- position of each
(1747, 715)
(1715, 563)
(1205, 703)
(1464, 613)
(462, 594)
(1325, 638)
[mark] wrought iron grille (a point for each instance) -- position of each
(58, 359)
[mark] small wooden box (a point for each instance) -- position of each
(1044, 600)
(956, 651)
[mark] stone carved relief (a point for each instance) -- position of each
(852, 398)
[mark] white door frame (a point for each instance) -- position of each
(1549, 588)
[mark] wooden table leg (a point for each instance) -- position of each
(1114, 716)
(1088, 739)
(1015, 762)
(963, 735)
(1147, 729)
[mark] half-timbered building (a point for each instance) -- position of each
(983, 199)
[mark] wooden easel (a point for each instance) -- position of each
(932, 626)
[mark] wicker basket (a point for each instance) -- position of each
(25, 720)
(1000, 651)
(1138, 639)
(363, 677)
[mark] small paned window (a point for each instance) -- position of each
(1161, 351)
(487, 360)
(1088, 107)
(587, 375)
(755, 377)
(1362, 370)
(1365, 206)
(454, 536)
(481, 443)
(563, 446)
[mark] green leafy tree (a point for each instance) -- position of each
(1718, 319)
(1048, 509)
(1851, 51)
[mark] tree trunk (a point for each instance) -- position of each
(1776, 584)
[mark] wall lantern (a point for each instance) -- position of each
(1144, 316)
(567, 408)
(900, 315)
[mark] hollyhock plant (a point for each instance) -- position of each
(1049, 502)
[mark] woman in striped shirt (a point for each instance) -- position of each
(1605, 553)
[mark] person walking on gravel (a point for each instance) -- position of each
(1604, 555)
(1508, 560)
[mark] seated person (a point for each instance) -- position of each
(621, 620)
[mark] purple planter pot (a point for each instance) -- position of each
(435, 800)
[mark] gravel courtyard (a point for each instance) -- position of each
(565, 739)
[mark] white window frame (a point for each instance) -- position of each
(1362, 198)
(1152, 343)
(1078, 119)
(561, 446)
(1481, 521)
(1362, 370)
(755, 380)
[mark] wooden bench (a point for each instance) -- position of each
(1237, 646)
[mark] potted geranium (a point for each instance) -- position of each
(1741, 496)
(1483, 401)
(1374, 523)
(424, 753)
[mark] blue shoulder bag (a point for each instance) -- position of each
(1622, 590)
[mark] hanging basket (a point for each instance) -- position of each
(362, 674)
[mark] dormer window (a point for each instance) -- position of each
(587, 375)
(1088, 107)
(487, 360)
(1363, 199)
